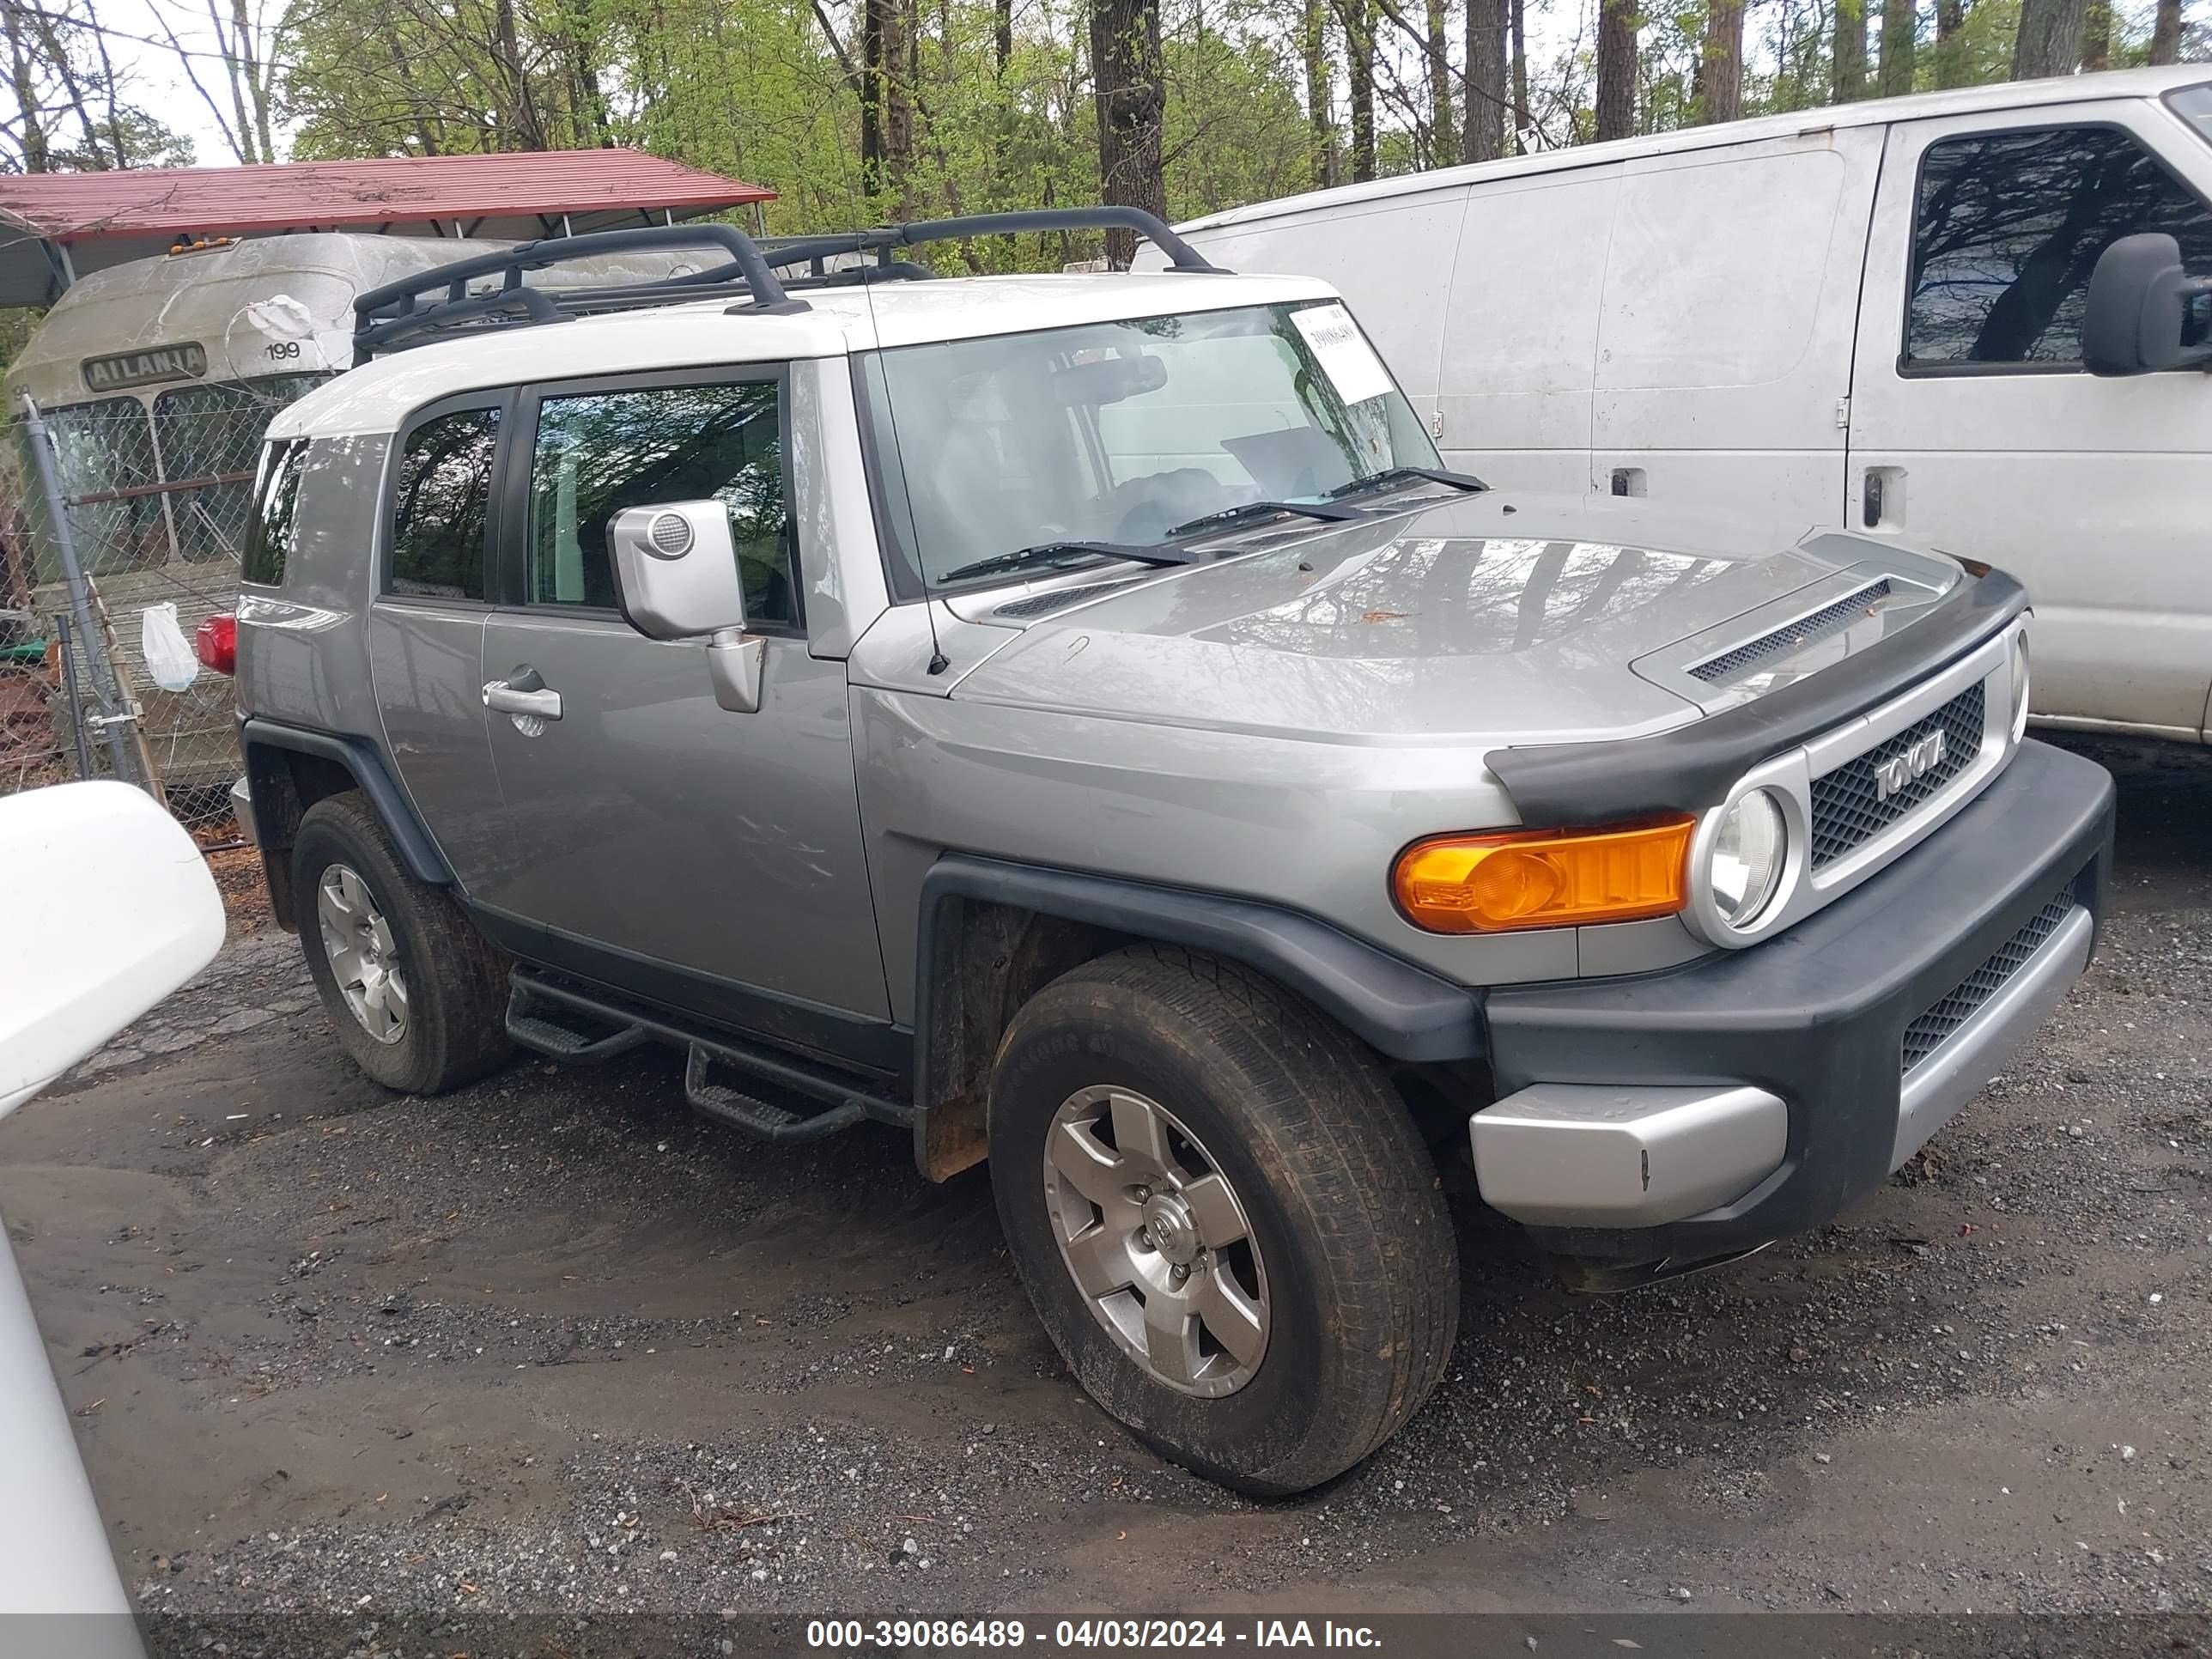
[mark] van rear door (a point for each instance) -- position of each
(1975, 428)
(1724, 337)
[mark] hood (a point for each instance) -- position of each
(1499, 616)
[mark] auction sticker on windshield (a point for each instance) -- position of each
(1345, 356)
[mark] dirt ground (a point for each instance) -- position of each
(551, 1344)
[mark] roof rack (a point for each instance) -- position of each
(386, 318)
(392, 318)
(1181, 256)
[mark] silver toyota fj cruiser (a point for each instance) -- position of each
(1073, 718)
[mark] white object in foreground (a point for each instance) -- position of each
(114, 909)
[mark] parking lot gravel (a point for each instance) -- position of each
(552, 1345)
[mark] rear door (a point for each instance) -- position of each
(1724, 339)
(1975, 428)
(426, 625)
(1513, 384)
(711, 860)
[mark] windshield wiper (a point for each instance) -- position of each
(1065, 553)
(1230, 518)
(1399, 474)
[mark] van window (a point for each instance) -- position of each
(2009, 227)
(599, 452)
(440, 508)
(210, 435)
(274, 526)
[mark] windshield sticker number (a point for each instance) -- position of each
(1343, 352)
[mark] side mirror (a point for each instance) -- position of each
(2138, 302)
(123, 911)
(676, 578)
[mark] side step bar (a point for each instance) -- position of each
(784, 1099)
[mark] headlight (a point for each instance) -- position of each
(1744, 866)
(2019, 685)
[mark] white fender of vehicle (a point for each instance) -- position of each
(111, 907)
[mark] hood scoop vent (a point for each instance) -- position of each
(1833, 618)
(1056, 599)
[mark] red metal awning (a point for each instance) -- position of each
(54, 226)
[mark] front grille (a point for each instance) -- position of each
(1731, 665)
(1849, 809)
(1930, 1032)
(1056, 599)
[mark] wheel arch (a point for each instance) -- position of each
(289, 769)
(993, 933)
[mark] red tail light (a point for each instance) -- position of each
(215, 641)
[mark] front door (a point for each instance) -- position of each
(1975, 428)
(711, 858)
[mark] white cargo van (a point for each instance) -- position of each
(1869, 316)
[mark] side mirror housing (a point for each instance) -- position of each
(2138, 305)
(676, 569)
(676, 578)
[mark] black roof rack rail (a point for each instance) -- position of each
(386, 318)
(1181, 256)
(395, 316)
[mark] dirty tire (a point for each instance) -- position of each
(1343, 1203)
(456, 980)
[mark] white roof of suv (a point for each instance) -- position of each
(379, 395)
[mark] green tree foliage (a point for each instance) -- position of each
(772, 90)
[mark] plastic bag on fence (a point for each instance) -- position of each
(170, 657)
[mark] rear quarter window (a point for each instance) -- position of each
(441, 506)
(272, 528)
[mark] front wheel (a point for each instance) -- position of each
(1223, 1215)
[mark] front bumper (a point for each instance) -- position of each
(1704, 1111)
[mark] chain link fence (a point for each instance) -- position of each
(122, 524)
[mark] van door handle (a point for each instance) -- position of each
(523, 693)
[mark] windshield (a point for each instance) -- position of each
(1118, 432)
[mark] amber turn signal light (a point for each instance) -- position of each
(1545, 877)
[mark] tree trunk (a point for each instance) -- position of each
(1616, 68)
(1002, 35)
(110, 92)
(1723, 60)
(1517, 117)
(37, 155)
(870, 92)
(1486, 27)
(1849, 59)
(1443, 130)
(1314, 46)
(72, 90)
(257, 76)
(886, 119)
(2097, 37)
(1900, 21)
(2165, 33)
(1358, 19)
(2049, 40)
(1951, 66)
(1128, 74)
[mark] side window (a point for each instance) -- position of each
(2008, 228)
(439, 508)
(598, 452)
(273, 525)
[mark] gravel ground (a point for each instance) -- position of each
(552, 1345)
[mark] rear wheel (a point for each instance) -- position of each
(416, 994)
(1225, 1219)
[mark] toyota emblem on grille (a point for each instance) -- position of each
(1915, 760)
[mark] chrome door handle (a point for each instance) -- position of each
(505, 699)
